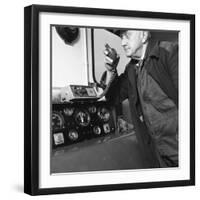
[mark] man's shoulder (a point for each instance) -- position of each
(168, 51)
(161, 48)
(168, 46)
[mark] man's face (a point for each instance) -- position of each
(132, 42)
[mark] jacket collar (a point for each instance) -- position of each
(152, 49)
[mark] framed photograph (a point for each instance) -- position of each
(109, 99)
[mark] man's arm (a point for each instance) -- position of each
(118, 89)
(115, 87)
(173, 65)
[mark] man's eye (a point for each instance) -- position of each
(124, 36)
(128, 35)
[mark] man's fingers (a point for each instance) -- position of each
(108, 67)
(108, 60)
(111, 58)
(106, 52)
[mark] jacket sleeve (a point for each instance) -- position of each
(173, 66)
(118, 90)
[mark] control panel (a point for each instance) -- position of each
(73, 122)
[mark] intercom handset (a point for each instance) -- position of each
(111, 62)
(112, 58)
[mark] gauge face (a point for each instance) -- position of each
(68, 111)
(82, 118)
(92, 109)
(97, 130)
(73, 135)
(57, 121)
(104, 114)
(106, 128)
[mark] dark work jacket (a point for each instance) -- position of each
(162, 65)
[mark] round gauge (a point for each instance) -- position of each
(73, 135)
(97, 130)
(82, 118)
(57, 121)
(68, 111)
(104, 114)
(92, 109)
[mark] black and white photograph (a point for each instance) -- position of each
(126, 115)
(109, 97)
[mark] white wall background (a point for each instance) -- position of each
(11, 101)
(66, 57)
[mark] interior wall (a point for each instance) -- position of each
(69, 62)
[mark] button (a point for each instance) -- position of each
(141, 118)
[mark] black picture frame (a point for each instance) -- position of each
(31, 98)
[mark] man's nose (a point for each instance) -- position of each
(123, 41)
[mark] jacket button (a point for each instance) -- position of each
(141, 118)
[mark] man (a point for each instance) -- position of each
(150, 83)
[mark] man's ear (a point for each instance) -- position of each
(145, 36)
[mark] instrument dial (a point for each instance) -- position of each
(82, 118)
(104, 114)
(106, 128)
(57, 121)
(73, 135)
(68, 111)
(92, 109)
(97, 130)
